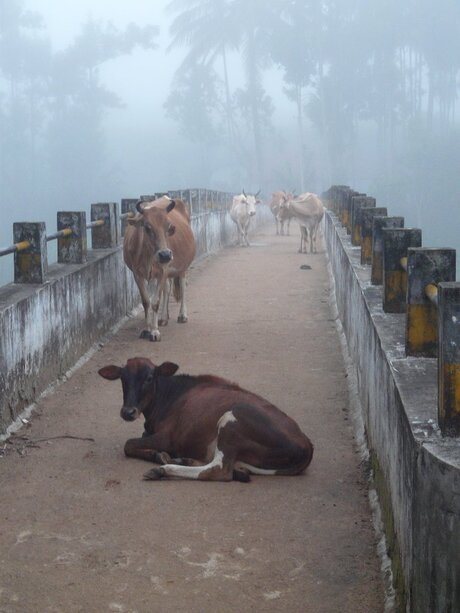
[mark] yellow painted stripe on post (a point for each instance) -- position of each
(396, 283)
(67, 232)
(422, 328)
(366, 247)
(357, 234)
(403, 262)
(449, 391)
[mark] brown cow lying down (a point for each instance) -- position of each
(204, 427)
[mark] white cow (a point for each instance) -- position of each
(277, 198)
(308, 210)
(243, 208)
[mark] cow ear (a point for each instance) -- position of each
(110, 372)
(137, 221)
(170, 206)
(171, 229)
(167, 369)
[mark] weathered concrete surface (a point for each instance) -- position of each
(417, 471)
(81, 531)
(45, 329)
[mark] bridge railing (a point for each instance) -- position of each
(417, 281)
(107, 226)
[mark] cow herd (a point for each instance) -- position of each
(202, 427)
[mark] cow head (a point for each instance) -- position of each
(153, 220)
(138, 379)
(250, 202)
(283, 207)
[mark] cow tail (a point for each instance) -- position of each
(176, 289)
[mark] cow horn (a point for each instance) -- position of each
(140, 206)
(258, 193)
(244, 193)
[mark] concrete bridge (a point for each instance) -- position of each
(83, 532)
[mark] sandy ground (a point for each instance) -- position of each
(82, 532)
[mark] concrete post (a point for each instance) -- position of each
(346, 217)
(362, 202)
(396, 242)
(424, 267)
(331, 197)
(104, 236)
(357, 203)
(367, 218)
(30, 264)
(72, 249)
(449, 358)
(342, 196)
(379, 223)
(128, 205)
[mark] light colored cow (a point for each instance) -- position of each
(277, 198)
(243, 208)
(308, 210)
(158, 247)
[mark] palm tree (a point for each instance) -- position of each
(211, 28)
(205, 27)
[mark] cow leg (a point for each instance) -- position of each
(245, 233)
(149, 448)
(220, 468)
(182, 317)
(159, 290)
(164, 309)
(240, 233)
(147, 305)
(282, 228)
(288, 224)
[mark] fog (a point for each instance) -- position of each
(112, 99)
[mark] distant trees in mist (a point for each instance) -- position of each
(373, 88)
(52, 142)
(374, 85)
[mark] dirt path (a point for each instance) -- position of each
(81, 532)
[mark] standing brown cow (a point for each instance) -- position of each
(158, 247)
(204, 427)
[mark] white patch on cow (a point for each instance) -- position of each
(193, 472)
(255, 470)
(226, 418)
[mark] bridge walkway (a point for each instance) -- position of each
(81, 531)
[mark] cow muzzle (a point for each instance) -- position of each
(129, 413)
(165, 256)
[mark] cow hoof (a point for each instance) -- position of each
(155, 474)
(150, 336)
(182, 319)
(161, 457)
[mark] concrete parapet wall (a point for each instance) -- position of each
(45, 329)
(417, 471)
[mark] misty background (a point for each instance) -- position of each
(107, 99)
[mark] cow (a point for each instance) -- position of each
(277, 198)
(158, 248)
(205, 427)
(242, 209)
(308, 210)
